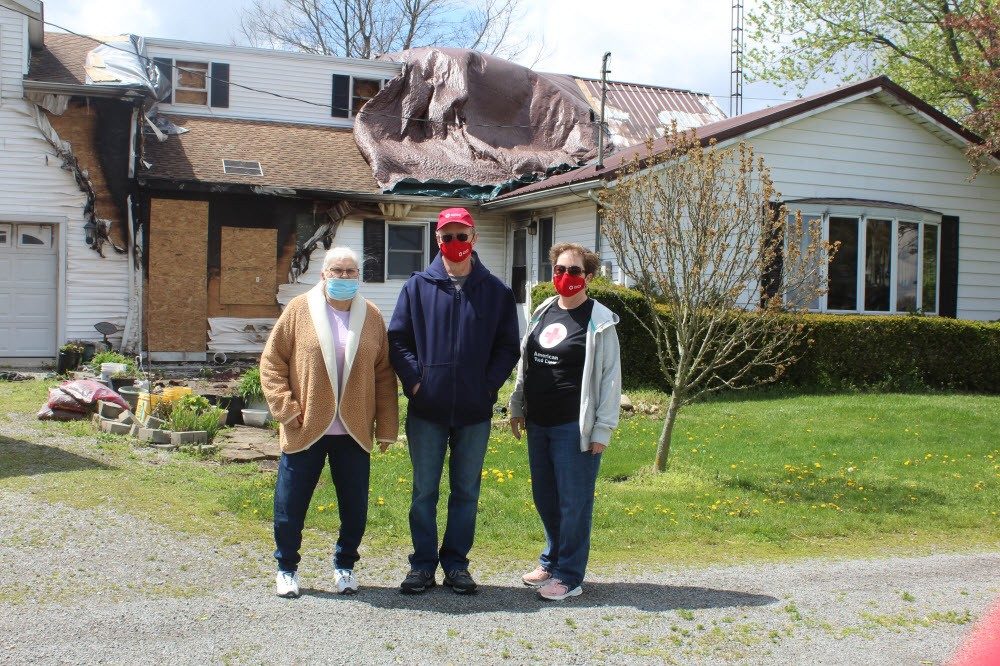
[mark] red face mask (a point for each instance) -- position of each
(569, 285)
(456, 251)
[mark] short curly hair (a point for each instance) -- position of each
(591, 262)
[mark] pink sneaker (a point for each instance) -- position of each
(537, 577)
(556, 590)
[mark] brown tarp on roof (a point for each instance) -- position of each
(462, 117)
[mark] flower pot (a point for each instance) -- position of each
(130, 394)
(255, 417)
(63, 362)
(119, 383)
(235, 410)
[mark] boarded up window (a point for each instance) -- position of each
(192, 82)
(248, 266)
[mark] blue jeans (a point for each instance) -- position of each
(298, 474)
(562, 484)
(428, 442)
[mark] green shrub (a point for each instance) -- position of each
(249, 386)
(114, 357)
(839, 352)
(193, 412)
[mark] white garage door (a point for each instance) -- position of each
(28, 298)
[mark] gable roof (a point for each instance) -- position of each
(905, 101)
(300, 157)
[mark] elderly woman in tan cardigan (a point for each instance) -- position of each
(326, 375)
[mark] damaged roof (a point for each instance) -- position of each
(299, 157)
(635, 111)
(890, 92)
(62, 59)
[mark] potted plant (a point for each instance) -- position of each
(250, 390)
(69, 357)
(120, 380)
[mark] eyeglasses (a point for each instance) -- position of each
(559, 269)
(343, 272)
(446, 238)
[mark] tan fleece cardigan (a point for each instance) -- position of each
(298, 372)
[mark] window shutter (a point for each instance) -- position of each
(432, 248)
(771, 279)
(219, 71)
(341, 102)
(948, 297)
(166, 68)
(373, 240)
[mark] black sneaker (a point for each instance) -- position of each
(460, 581)
(417, 581)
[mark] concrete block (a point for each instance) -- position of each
(145, 434)
(109, 410)
(105, 425)
(190, 437)
(154, 423)
(126, 418)
(134, 430)
(161, 437)
(116, 428)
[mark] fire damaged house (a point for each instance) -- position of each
(189, 184)
(68, 143)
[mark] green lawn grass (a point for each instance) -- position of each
(767, 476)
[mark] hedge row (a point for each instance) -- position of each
(840, 351)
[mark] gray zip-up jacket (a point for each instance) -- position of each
(600, 397)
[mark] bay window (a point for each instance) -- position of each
(886, 261)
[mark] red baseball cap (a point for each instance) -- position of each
(455, 216)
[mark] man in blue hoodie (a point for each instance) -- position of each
(453, 341)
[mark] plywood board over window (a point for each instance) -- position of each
(177, 306)
(249, 258)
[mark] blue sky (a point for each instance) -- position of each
(679, 43)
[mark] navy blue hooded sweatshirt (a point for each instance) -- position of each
(460, 345)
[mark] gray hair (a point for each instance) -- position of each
(341, 252)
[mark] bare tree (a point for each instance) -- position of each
(368, 28)
(725, 274)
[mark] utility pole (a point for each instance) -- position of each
(736, 61)
(604, 95)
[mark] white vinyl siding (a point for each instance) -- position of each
(490, 247)
(867, 150)
(304, 77)
(13, 53)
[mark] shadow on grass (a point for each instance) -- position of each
(22, 458)
(493, 599)
(882, 496)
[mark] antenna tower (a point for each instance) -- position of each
(736, 61)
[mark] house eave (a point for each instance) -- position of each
(204, 187)
(85, 90)
(557, 196)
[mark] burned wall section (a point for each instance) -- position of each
(84, 126)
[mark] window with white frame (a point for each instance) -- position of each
(405, 249)
(886, 261)
(192, 83)
(363, 90)
(34, 236)
(5, 230)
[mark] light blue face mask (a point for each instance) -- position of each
(342, 289)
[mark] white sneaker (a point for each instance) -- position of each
(556, 590)
(287, 584)
(346, 582)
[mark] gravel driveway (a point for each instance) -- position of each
(96, 586)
